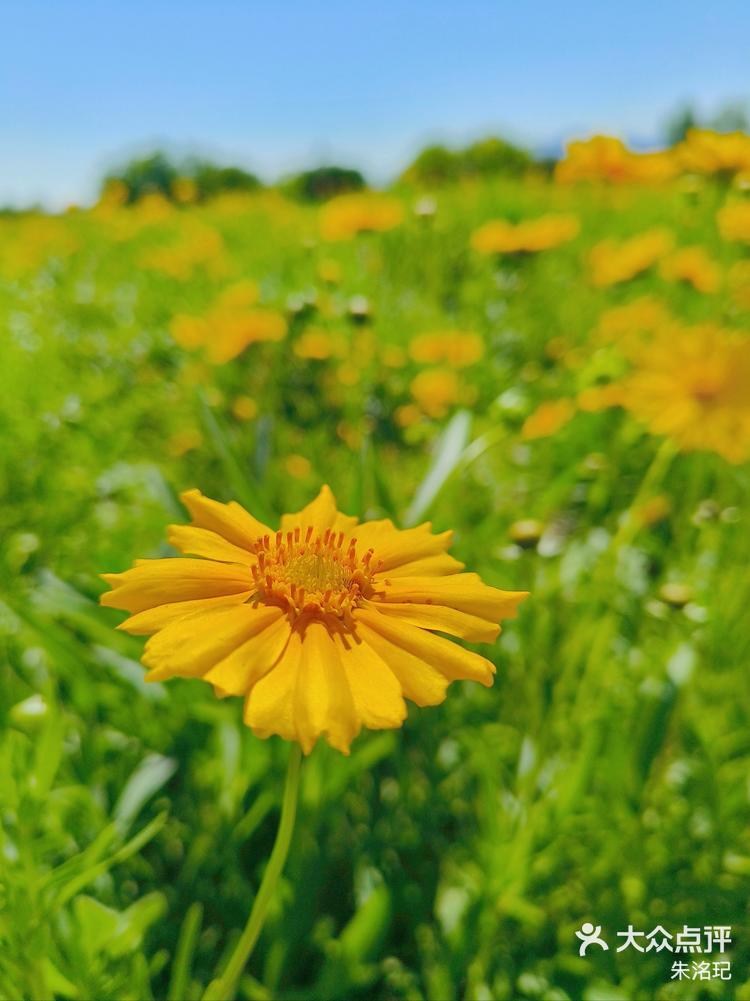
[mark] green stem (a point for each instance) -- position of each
(222, 989)
(630, 524)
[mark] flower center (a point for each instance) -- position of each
(307, 571)
(706, 389)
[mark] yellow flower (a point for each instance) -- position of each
(613, 262)
(652, 511)
(436, 390)
(691, 385)
(229, 335)
(548, 418)
(707, 152)
(693, 266)
(392, 356)
(734, 221)
(316, 344)
(454, 347)
(347, 215)
(739, 284)
(530, 236)
(244, 408)
(323, 627)
(184, 190)
(407, 415)
(604, 158)
(230, 325)
(197, 246)
(184, 441)
(298, 466)
(629, 323)
(597, 398)
(329, 271)
(239, 295)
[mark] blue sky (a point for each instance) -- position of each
(277, 86)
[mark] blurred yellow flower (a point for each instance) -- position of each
(197, 246)
(239, 295)
(231, 333)
(596, 398)
(739, 284)
(323, 627)
(452, 347)
(329, 271)
(707, 152)
(29, 240)
(153, 207)
(393, 356)
(298, 466)
(693, 266)
(316, 344)
(184, 190)
(436, 390)
(548, 418)
(612, 262)
(230, 325)
(407, 415)
(734, 221)
(653, 510)
(244, 408)
(498, 236)
(342, 218)
(605, 158)
(690, 385)
(632, 321)
(184, 441)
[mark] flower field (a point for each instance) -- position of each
(556, 368)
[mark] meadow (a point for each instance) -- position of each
(527, 386)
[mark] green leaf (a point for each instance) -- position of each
(151, 774)
(447, 455)
(183, 960)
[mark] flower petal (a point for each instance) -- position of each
(420, 682)
(394, 547)
(322, 513)
(191, 646)
(269, 706)
(153, 619)
(440, 618)
(230, 520)
(323, 702)
(237, 673)
(465, 591)
(431, 566)
(448, 658)
(202, 542)
(378, 700)
(161, 582)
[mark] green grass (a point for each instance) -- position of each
(604, 777)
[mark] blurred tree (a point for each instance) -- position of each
(731, 117)
(160, 173)
(679, 123)
(323, 182)
(437, 165)
(210, 179)
(495, 156)
(146, 175)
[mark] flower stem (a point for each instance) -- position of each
(223, 987)
(654, 474)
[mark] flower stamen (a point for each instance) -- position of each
(305, 572)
